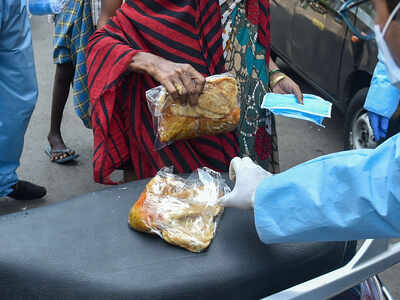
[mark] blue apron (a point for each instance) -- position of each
(18, 87)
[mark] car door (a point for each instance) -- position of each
(318, 33)
(281, 27)
(359, 56)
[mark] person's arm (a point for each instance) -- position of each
(108, 9)
(279, 83)
(382, 101)
(181, 81)
(348, 195)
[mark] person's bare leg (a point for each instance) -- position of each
(62, 83)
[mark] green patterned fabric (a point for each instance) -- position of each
(245, 58)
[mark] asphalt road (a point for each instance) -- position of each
(299, 141)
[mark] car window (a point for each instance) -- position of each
(332, 4)
(364, 19)
(367, 13)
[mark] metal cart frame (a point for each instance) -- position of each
(373, 257)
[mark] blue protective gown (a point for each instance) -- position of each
(18, 87)
(383, 97)
(349, 195)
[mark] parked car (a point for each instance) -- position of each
(311, 37)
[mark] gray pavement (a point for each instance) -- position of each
(298, 141)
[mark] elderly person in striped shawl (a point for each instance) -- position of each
(178, 43)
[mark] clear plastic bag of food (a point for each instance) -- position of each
(182, 211)
(217, 111)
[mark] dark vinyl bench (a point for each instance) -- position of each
(84, 249)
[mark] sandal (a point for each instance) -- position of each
(58, 156)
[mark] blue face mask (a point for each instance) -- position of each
(314, 109)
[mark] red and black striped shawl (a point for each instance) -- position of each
(185, 31)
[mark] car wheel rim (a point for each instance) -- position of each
(371, 289)
(361, 135)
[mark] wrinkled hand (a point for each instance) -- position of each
(248, 177)
(288, 86)
(181, 81)
(379, 125)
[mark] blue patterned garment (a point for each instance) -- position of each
(74, 26)
(245, 58)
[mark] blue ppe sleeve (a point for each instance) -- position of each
(18, 87)
(383, 97)
(349, 195)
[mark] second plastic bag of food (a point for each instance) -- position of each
(183, 212)
(217, 111)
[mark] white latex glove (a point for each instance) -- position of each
(248, 177)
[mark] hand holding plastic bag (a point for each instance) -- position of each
(248, 176)
(217, 111)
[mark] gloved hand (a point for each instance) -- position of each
(379, 125)
(248, 177)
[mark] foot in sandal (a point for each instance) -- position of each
(58, 152)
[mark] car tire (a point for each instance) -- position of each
(358, 133)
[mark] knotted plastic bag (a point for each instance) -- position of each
(183, 212)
